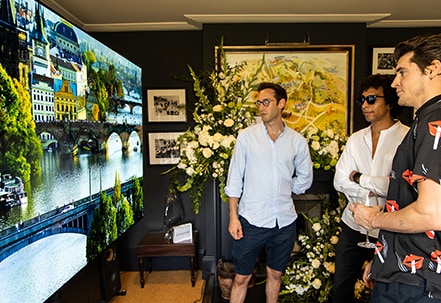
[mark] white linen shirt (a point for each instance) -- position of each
(264, 174)
(357, 155)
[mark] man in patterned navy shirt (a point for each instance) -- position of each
(407, 261)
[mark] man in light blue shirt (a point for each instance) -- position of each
(270, 162)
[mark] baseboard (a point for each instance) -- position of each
(209, 264)
(209, 289)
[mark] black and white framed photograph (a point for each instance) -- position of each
(164, 148)
(383, 60)
(166, 105)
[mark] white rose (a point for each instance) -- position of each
(334, 240)
(215, 145)
(182, 165)
(315, 145)
(316, 283)
(193, 144)
(330, 133)
(210, 141)
(207, 152)
(204, 137)
(300, 290)
(315, 263)
(189, 171)
(316, 226)
(229, 122)
(217, 108)
(218, 137)
(227, 141)
(189, 152)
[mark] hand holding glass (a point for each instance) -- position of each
(368, 199)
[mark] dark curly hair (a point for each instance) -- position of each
(390, 95)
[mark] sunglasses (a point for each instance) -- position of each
(265, 102)
(369, 99)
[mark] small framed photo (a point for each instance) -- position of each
(164, 148)
(383, 60)
(166, 105)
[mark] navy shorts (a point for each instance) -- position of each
(278, 245)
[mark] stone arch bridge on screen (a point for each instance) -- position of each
(69, 134)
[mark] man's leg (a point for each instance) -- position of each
(272, 287)
(278, 251)
(239, 289)
(349, 259)
(245, 252)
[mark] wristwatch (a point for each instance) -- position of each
(356, 177)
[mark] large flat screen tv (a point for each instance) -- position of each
(70, 151)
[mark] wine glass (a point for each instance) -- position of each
(367, 198)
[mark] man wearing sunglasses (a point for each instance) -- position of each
(407, 265)
(270, 162)
(364, 166)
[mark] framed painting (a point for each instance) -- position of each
(383, 61)
(318, 80)
(163, 148)
(166, 105)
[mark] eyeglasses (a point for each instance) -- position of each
(369, 99)
(265, 102)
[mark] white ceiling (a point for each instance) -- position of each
(160, 15)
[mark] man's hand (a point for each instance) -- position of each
(368, 281)
(363, 215)
(235, 229)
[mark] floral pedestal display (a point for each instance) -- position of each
(309, 276)
(221, 111)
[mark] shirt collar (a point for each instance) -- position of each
(427, 104)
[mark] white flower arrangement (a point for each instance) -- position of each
(325, 146)
(220, 113)
(310, 277)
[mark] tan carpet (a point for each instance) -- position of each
(172, 286)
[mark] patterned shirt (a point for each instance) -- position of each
(411, 258)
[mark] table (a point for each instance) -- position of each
(153, 245)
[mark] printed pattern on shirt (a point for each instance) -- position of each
(409, 258)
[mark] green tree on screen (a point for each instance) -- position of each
(20, 151)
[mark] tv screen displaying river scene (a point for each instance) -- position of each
(71, 160)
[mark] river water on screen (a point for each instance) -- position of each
(67, 179)
(36, 271)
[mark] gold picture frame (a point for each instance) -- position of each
(318, 79)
